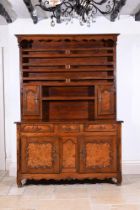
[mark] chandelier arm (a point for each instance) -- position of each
(68, 7)
(103, 12)
(99, 3)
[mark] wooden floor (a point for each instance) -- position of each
(70, 197)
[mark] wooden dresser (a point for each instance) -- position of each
(68, 127)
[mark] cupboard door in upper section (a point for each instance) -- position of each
(98, 153)
(40, 154)
(105, 103)
(31, 102)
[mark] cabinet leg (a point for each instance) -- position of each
(119, 179)
(19, 183)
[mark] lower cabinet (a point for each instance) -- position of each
(80, 154)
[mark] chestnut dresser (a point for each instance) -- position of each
(68, 127)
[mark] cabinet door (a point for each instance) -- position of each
(105, 106)
(69, 154)
(40, 154)
(98, 153)
(31, 102)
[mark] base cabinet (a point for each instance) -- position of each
(71, 151)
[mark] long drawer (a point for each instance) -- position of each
(67, 127)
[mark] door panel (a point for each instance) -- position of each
(69, 154)
(40, 154)
(98, 153)
(105, 102)
(31, 102)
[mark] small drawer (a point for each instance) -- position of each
(68, 128)
(100, 127)
(37, 128)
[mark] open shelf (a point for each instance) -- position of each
(64, 93)
(68, 110)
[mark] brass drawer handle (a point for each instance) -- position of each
(68, 80)
(67, 66)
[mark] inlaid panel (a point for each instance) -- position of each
(40, 154)
(98, 153)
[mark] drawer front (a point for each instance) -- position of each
(100, 127)
(68, 128)
(37, 128)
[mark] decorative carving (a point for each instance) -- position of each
(39, 155)
(98, 155)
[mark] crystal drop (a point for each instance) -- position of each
(52, 23)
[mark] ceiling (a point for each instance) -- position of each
(131, 8)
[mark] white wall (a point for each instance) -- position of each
(3, 48)
(128, 74)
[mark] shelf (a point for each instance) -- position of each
(84, 98)
(86, 69)
(71, 48)
(63, 79)
(64, 84)
(56, 63)
(71, 55)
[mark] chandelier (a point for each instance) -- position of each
(66, 10)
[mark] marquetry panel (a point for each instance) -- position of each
(98, 153)
(40, 154)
